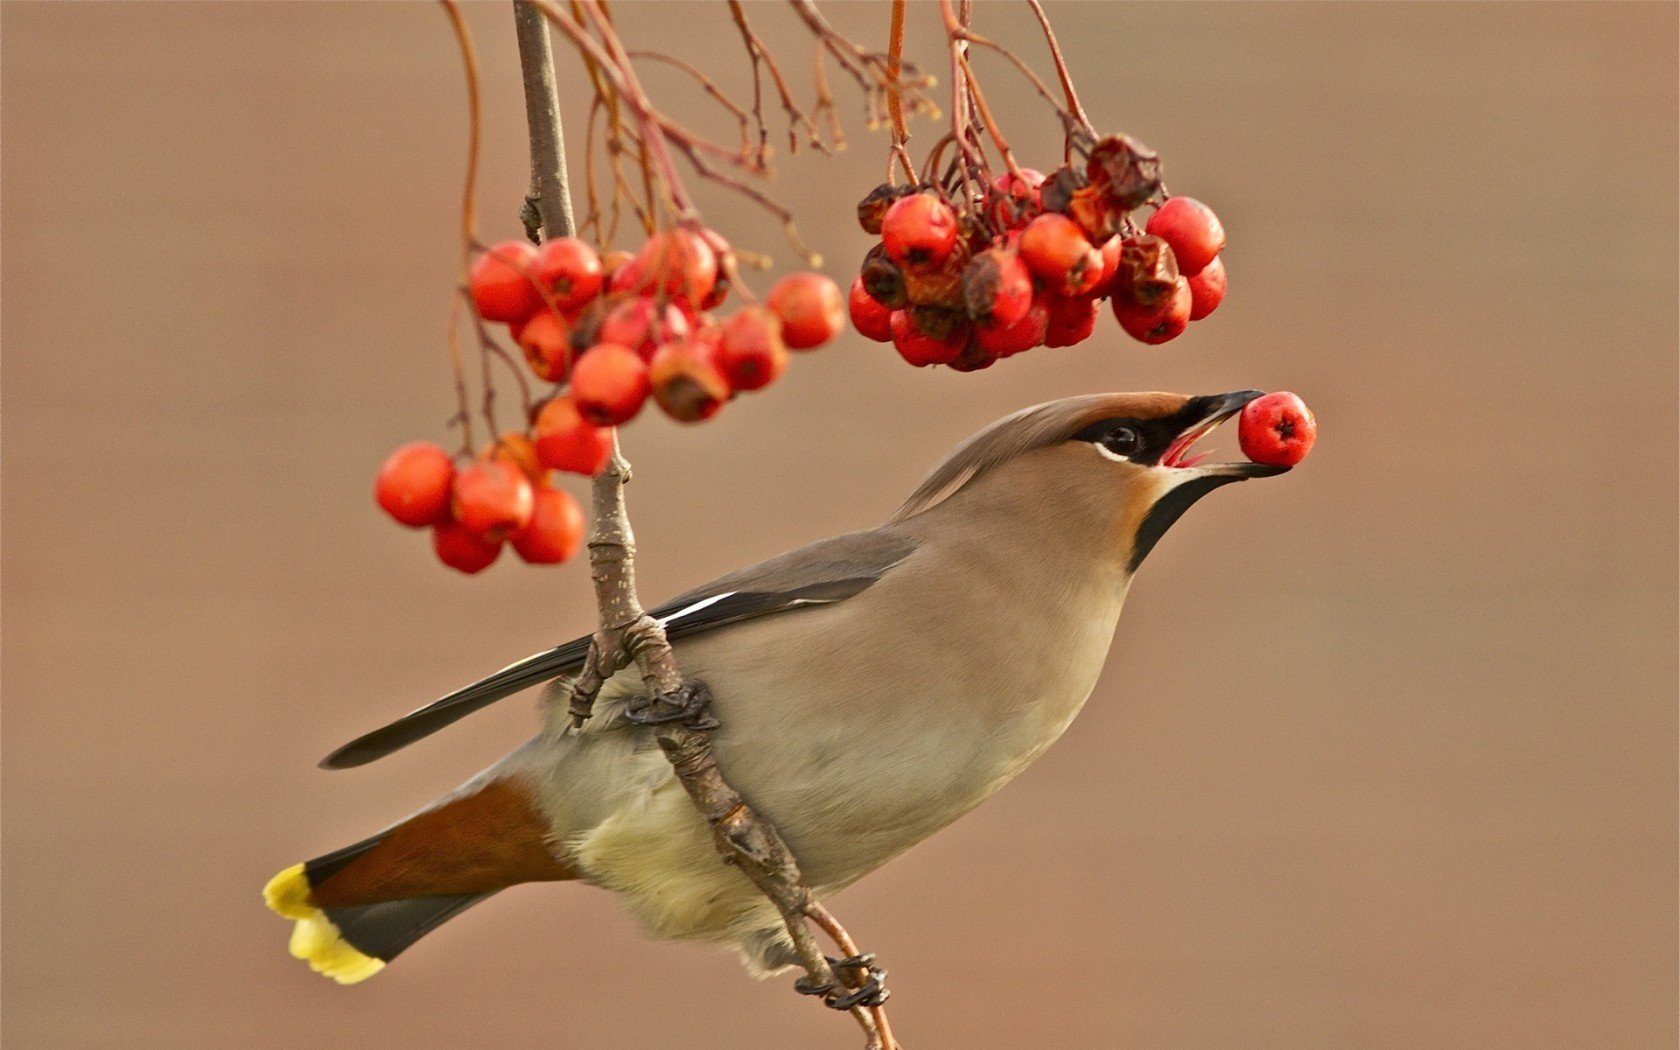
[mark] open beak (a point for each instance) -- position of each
(1214, 410)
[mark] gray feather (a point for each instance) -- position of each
(821, 573)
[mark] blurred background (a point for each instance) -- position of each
(1385, 752)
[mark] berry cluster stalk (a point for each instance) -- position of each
(626, 633)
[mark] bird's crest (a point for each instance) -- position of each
(1021, 432)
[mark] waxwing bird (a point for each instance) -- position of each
(871, 688)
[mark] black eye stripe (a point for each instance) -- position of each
(1139, 440)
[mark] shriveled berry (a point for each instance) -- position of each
(1056, 251)
(884, 280)
(463, 549)
(1277, 429)
(1192, 229)
(1156, 324)
(997, 289)
(687, 382)
(921, 348)
(919, 230)
(1207, 289)
(750, 350)
(414, 484)
(1124, 170)
(870, 318)
(555, 531)
(873, 208)
(810, 308)
(940, 286)
(492, 498)
(1148, 271)
(546, 341)
(609, 384)
(566, 441)
(974, 357)
(500, 282)
(1071, 321)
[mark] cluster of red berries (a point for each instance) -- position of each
(623, 328)
(1030, 263)
(503, 496)
(618, 330)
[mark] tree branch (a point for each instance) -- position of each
(626, 633)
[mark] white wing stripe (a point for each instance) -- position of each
(703, 603)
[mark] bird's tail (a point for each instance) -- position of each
(359, 907)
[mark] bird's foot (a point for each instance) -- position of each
(865, 983)
(690, 704)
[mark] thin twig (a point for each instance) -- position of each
(1074, 108)
(469, 193)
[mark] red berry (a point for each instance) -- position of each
(1014, 198)
(810, 308)
(870, 318)
(1071, 321)
(997, 289)
(609, 384)
(566, 441)
(413, 485)
(1056, 251)
(1192, 229)
(725, 265)
(555, 532)
(1207, 289)
(569, 270)
(1159, 323)
(1023, 335)
(1277, 429)
(492, 498)
(546, 340)
(461, 548)
(1110, 252)
(750, 350)
(500, 282)
(677, 264)
(687, 382)
(921, 349)
(919, 230)
(639, 324)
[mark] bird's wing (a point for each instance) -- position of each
(822, 573)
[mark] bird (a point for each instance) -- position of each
(868, 689)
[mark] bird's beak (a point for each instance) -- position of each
(1208, 412)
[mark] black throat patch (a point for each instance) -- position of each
(1170, 508)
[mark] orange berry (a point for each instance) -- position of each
(555, 532)
(414, 482)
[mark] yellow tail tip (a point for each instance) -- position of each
(287, 894)
(315, 939)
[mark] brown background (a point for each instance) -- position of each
(1385, 756)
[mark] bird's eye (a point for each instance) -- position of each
(1123, 441)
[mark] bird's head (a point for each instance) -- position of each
(1123, 464)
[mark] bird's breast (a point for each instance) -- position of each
(864, 727)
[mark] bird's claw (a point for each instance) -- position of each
(690, 704)
(872, 992)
